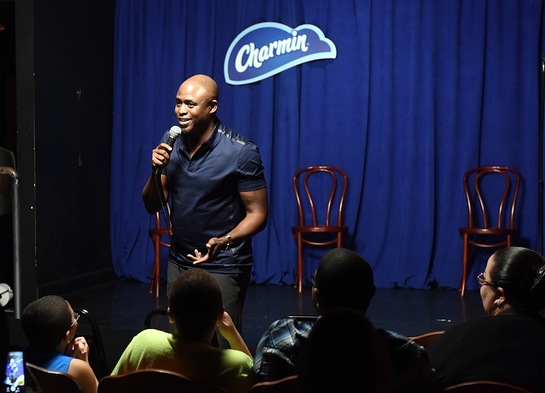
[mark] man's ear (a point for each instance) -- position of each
(170, 317)
(316, 295)
(213, 106)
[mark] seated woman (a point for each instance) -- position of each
(50, 325)
(509, 344)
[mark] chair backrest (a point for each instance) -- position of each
(153, 380)
(427, 339)
(150, 317)
(485, 387)
(88, 328)
(52, 381)
(284, 385)
(320, 191)
(490, 190)
(304, 318)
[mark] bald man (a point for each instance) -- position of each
(215, 180)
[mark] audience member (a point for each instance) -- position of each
(344, 353)
(50, 325)
(508, 344)
(342, 279)
(195, 309)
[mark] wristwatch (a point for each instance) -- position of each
(229, 242)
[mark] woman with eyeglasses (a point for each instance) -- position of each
(507, 345)
(50, 325)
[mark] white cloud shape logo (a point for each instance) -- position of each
(268, 48)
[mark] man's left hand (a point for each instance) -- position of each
(214, 246)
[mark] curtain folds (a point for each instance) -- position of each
(420, 92)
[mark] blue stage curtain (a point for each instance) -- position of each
(420, 92)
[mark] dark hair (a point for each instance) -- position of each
(344, 353)
(345, 279)
(45, 322)
(195, 302)
(520, 272)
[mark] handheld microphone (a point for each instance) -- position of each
(173, 134)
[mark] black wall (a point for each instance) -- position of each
(64, 122)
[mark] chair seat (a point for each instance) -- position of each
(320, 229)
(501, 233)
(488, 231)
(158, 234)
(161, 232)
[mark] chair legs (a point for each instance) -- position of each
(299, 272)
(465, 262)
(299, 275)
(156, 277)
(465, 259)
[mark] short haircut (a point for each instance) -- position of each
(45, 322)
(195, 302)
(344, 353)
(345, 279)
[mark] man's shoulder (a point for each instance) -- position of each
(148, 336)
(286, 327)
(228, 134)
(279, 348)
(237, 357)
(284, 335)
(396, 342)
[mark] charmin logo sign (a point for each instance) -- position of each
(266, 49)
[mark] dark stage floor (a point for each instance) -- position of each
(120, 307)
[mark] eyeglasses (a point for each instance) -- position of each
(76, 317)
(482, 281)
(313, 280)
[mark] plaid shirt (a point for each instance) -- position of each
(277, 352)
(279, 348)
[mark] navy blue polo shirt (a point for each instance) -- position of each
(204, 194)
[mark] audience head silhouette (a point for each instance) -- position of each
(345, 353)
(513, 281)
(343, 279)
(507, 345)
(195, 304)
(47, 322)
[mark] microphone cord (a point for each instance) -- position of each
(165, 210)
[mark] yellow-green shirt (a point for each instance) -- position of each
(151, 348)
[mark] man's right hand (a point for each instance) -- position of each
(160, 156)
